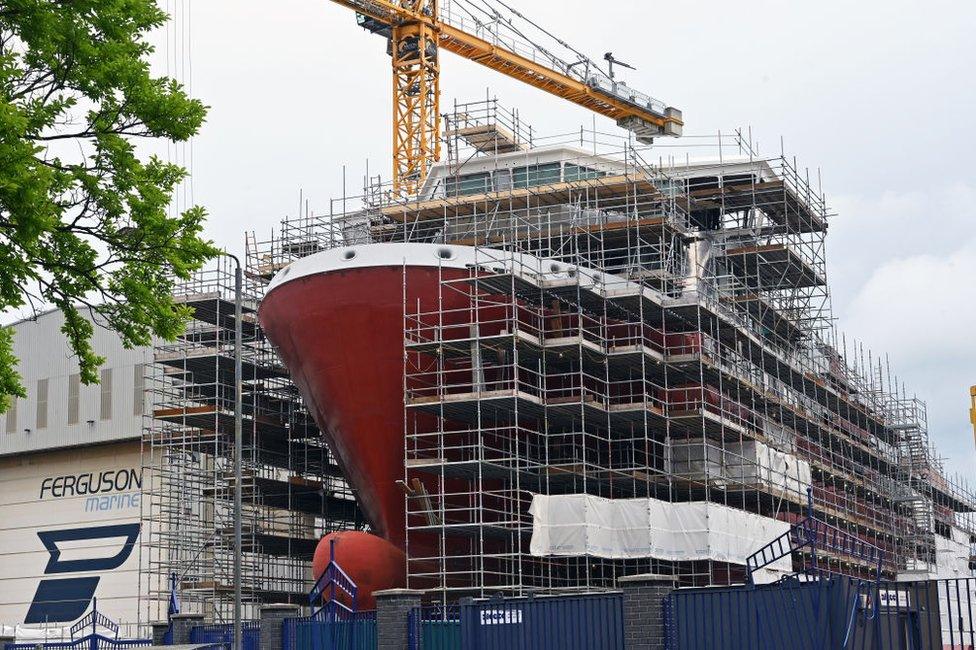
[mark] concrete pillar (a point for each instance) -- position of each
(159, 631)
(644, 610)
(182, 624)
(392, 610)
(272, 624)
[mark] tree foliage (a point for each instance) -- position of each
(85, 223)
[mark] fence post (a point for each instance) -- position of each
(644, 596)
(182, 624)
(392, 611)
(272, 620)
(159, 632)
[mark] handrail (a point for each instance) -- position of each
(814, 533)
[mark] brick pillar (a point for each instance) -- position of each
(644, 610)
(159, 631)
(392, 609)
(272, 621)
(182, 624)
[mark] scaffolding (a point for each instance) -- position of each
(641, 322)
(292, 491)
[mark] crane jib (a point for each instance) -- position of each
(621, 101)
(408, 24)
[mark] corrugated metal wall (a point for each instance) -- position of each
(830, 614)
(591, 622)
(783, 615)
(44, 355)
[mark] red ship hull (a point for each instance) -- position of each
(340, 332)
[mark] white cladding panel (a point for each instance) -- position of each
(742, 463)
(86, 503)
(44, 354)
(582, 524)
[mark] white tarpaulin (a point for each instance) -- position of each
(951, 559)
(952, 555)
(744, 463)
(580, 524)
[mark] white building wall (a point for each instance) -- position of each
(44, 354)
(77, 483)
(87, 500)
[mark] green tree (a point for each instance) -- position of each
(84, 216)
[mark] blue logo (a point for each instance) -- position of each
(59, 600)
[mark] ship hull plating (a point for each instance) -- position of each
(340, 332)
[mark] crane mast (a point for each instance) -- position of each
(418, 32)
(416, 96)
(972, 410)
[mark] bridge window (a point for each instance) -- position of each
(573, 172)
(479, 183)
(532, 175)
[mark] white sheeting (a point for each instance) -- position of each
(580, 524)
(748, 463)
(952, 555)
(758, 463)
(951, 560)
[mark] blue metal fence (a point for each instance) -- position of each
(223, 633)
(801, 613)
(434, 627)
(790, 614)
(355, 631)
(90, 642)
(586, 622)
(833, 613)
(93, 640)
(815, 535)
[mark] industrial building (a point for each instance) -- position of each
(71, 472)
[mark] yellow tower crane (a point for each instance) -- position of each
(972, 410)
(490, 33)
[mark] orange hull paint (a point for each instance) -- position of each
(373, 564)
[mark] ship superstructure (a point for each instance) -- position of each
(606, 359)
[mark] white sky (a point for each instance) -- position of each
(879, 95)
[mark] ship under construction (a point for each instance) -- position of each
(566, 359)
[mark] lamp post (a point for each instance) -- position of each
(176, 579)
(238, 443)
